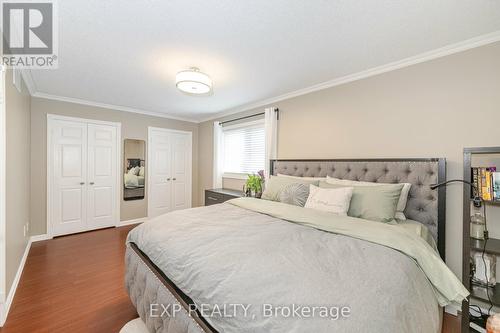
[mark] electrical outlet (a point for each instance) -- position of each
(26, 229)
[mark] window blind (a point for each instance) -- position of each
(244, 147)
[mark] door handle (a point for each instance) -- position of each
(82, 183)
(91, 183)
(168, 179)
(174, 179)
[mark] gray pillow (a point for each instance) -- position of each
(295, 194)
(276, 184)
(375, 203)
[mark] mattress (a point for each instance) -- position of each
(151, 293)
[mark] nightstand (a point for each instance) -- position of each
(219, 195)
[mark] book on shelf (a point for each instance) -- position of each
(476, 181)
(487, 182)
(496, 185)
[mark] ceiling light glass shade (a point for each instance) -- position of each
(192, 81)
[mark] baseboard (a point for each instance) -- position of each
(134, 221)
(38, 238)
(2, 310)
(10, 297)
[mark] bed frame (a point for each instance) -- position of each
(424, 205)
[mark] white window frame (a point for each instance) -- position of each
(240, 175)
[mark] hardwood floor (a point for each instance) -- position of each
(451, 324)
(75, 284)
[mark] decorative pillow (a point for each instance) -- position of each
(333, 200)
(375, 203)
(403, 198)
(275, 185)
(141, 171)
(133, 171)
(295, 194)
(302, 178)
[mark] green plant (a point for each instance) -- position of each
(254, 183)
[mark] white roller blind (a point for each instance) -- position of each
(244, 148)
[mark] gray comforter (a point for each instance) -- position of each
(250, 272)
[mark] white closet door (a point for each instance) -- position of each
(181, 171)
(69, 157)
(101, 185)
(160, 184)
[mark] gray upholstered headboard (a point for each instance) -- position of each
(424, 205)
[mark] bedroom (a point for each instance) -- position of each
(106, 141)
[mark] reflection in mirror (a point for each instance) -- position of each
(135, 164)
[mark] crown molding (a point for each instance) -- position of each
(28, 81)
(110, 106)
(420, 58)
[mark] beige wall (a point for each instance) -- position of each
(18, 175)
(433, 109)
(205, 157)
(134, 126)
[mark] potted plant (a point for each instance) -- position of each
(254, 184)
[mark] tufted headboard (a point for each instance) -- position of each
(424, 205)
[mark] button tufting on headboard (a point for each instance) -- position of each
(423, 204)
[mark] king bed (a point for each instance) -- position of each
(248, 264)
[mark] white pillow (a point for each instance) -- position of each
(141, 171)
(303, 178)
(333, 200)
(403, 198)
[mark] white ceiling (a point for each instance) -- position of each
(126, 53)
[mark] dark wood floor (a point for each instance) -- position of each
(451, 324)
(75, 284)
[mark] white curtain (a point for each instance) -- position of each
(218, 155)
(271, 134)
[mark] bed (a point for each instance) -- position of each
(243, 266)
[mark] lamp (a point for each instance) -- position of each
(477, 202)
(192, 81)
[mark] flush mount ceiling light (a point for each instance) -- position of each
(192, 81)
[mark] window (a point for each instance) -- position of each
(244, 146)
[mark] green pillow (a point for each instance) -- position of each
(375, 203)
(276, 184)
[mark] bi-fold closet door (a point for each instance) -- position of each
(82, 176)
(169, 173)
